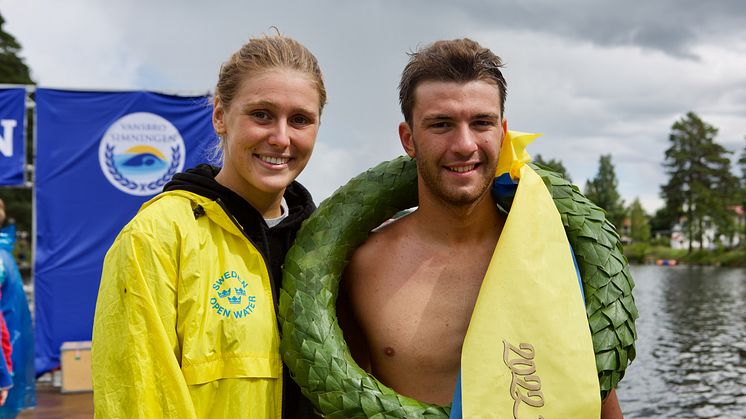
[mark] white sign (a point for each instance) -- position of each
(140, 152)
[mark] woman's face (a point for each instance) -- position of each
(268, 132)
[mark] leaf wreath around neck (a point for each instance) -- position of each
(313, 347)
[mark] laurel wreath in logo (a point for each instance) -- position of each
(152, 186)
(114, 171)
(172, 169)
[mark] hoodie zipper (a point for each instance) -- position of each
(285, 374)
(263, 253)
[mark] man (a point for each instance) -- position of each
(410, 291)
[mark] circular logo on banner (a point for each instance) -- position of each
(140, 152)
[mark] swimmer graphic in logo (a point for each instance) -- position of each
(141, 159)
(140, 152)
(230, 298)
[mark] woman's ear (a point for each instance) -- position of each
(218, 115)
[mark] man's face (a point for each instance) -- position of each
(456, 134)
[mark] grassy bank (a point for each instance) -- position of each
(646, 253)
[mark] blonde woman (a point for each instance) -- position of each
(185, 323)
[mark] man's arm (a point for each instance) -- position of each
(610, 407)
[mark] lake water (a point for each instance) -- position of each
(691, 347)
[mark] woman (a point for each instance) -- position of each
(185, 322)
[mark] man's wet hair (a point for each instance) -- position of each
(458, 60)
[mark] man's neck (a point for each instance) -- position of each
(450, 224)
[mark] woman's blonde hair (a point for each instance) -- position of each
(266, 53)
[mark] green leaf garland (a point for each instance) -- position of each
(313, 347)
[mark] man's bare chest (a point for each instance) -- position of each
(420, 314)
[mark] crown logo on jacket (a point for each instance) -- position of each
(230, 296)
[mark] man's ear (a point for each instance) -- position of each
(406, 138)
(218, 115)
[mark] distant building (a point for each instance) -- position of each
(709, 239)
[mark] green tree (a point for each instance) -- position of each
(12, 68)
(14, 71)
(554, 165)
(639, 224)
(662, 221)
(17, 206)
(741, 229)
(701, 188)
(602, 190)
(742, 165)
(723, 196)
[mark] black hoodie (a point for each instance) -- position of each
(273, 243)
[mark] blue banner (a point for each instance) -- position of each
(12, 136)
(100, 155)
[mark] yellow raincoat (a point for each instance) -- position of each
(185, 324)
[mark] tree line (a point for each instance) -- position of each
(702, 195)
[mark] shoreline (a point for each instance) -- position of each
(642, 253)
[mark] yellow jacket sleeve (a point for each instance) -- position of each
(136, 352)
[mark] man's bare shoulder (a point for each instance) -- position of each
(389, 242)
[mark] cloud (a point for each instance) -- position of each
(590, 100)
(668, 26)
(61, 50)
(596, 77)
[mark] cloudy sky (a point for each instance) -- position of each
(595, 77)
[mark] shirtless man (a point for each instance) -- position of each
(410, 289)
